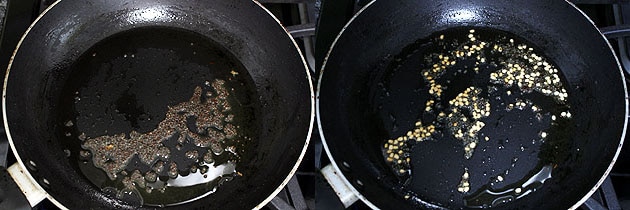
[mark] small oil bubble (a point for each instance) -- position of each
(82, 137)
(216, 148)
(172, 172)
(203, 169)
(207, 158)
(84, 154)
(150, 177)
(193, 154)
(67, 151)
(158, 167)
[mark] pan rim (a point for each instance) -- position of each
(312, 120)
(4, 112)
(575, 206)
(625, 123)
(258, 206)
(319, 121)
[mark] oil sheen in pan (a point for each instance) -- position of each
(157, 82)
(483, 122)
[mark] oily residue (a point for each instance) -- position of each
(463, 74)
(209, 111)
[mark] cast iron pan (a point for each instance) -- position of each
(372, 89)
(90, 69)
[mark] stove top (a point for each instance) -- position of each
(308, 189)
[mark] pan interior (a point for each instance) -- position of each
(459, 125)
(168, 113)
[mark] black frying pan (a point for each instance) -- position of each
(372, 89)
(89, 70)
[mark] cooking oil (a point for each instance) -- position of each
(488, 198)
(490, 91)
(121, 92)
